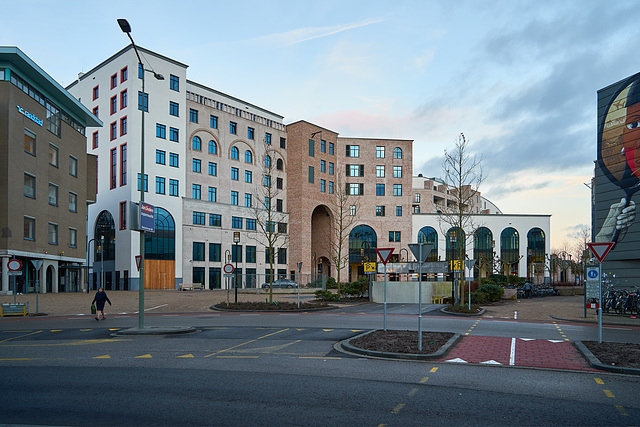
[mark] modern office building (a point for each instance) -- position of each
(47, 179)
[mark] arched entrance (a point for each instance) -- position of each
(160, 252)
(510, 251)
(429, 235)
(321, 242)
(105, 251)
(535, 255)
(363, 243)
(50, 279)
(483, 252)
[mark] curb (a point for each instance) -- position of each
(451, 313)
(331, 307)
(595, 362)
(157, 331)
(410, 356)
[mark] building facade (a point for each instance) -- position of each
(47, 177)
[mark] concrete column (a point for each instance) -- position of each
(5, 275)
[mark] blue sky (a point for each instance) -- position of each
(519, 78)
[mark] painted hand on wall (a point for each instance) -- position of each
(619, 218)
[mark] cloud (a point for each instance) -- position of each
(301, 35)
(425, 59)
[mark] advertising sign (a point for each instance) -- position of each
(147, 222)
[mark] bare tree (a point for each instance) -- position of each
(463, 174)
(271, 220)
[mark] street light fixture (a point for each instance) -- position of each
(126, 28)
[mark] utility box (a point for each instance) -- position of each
(19, 309)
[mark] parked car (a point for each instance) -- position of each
(281, 283)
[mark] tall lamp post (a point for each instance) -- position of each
(94, 260)
(126, 28)
(236, 240)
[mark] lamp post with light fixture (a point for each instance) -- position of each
(236, 240)
(126, 28)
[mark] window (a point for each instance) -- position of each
(53, 233)
(323, 185)
(143, 100)
(279, 183)
(279, 205)
(113, 104)
(29, 185)
(114, 80)
(123, 215)
(267, 181)
(234, 198)
(235, 153)
(73, 202)
(398, 210)
(379, 189)
(198, 218)
(123, 99)
(29, 142)
(198, 251)
(248, 157)
(355, 170)
(123, 126)
(250, 223)
(174, 82)
(355, 189)
(213, 149)
(394, 236)
(140, 71)
(236, 254)
(248, 176)
(250, 253)
(53, 118)
(397, 153)
(311, 178)
(397, 171)
(53, 194)
(174, 109)
(267, 138)
(173, 160)
(279, 164)
(95, 111)
(213, 122)
(330, 187)
(417, 198)
(380, 152)
(124, 75)
(331, 147)
(236, 222)
(173, 135)
(161, 157)
(196, 143)
(160, 185)
(146, 182)
(114, 131)
(235, 173)
(96, 92)
(397, 189)
(267, 161)
(251, 133)
(323, 146)
(161, 131)
(233, 128)
(214, 252)
(196, 192)
(215, 220)
(95, 139)
(283, 143)
(212, 194)
(323, 166)
(193, 115)
(282, 255)
(380, 211)
(312, 145)
(73, 237)
(173, 187)
(380, 171)
(196, 165)
(353, 151)
(282, 227)
(29, 228)
(330, 168)
(213, 169)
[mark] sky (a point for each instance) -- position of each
(518, 78)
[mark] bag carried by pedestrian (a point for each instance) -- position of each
(93, 309)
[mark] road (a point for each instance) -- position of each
(283, 369)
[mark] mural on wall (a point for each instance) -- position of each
(619, 156)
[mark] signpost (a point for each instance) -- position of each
(384, 255)
(37, 263)
(15, 269)
(600, 250)
(421, 251)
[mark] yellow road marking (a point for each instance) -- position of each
(398, 408)
(621, 410)
(433, 369)
(319, 357)
(598, 381)
(245, 343)
(186, 355)
(270, 349)
(144, 356)
(19, 358)
(412, 392)
(608, 393)
(55, 330)
(106, 356)
(327, 330)
(21, 336)
(85, 330)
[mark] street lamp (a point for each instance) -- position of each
(236, 240)
(102, 260)
(126, 28)
(88, 246)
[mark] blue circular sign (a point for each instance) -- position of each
(593, 274)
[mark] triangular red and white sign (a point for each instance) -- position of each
(384, 254)
(138, 260)
(601, 250)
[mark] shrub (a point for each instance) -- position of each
(323, 295)
(487, 293)
(516, 280)
(331, 283)
(498, 279)
(355, 289)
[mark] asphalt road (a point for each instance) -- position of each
(283, 369)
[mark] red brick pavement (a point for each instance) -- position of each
(553, 354)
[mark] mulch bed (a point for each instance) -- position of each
(615, 353)
(402, 341)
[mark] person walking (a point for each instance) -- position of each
(99, 300)
(527, 289)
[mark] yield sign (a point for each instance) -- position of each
(138, 260)
(384, 254)
(601, 250)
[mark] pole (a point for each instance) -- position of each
(236, 271)
(142, 185)
(420, 300)
(385, 297)
(600, 306)
(102, 261)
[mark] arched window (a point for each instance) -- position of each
(213, 148)
(267, 161)
(362, 244)
(197, 144)
(235, 153)
(397, 153)
(510, 250)
(248, 157)
(536, 246)
(483, 251)
(456, 244)
(161, 244)
(279, 164)
(429, 235)
(105, 227)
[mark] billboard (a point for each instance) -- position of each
(617, 175)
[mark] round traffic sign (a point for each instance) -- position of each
(14, 265)
(228, 268)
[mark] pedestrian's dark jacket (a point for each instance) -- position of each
(100, 299)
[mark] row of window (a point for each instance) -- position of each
(215, 220)
(52, 232)
(357, 189)
(380, 211)
(30, 191)
(354, 151)
(161, 132)
(215, 250)
(54, 152)
(323, 147)
(174, 81)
